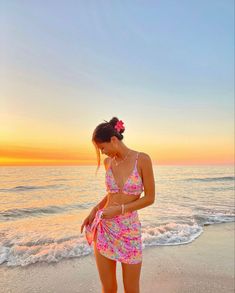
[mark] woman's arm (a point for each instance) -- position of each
(149, 186)
(101, 204)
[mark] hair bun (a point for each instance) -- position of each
(113, 122)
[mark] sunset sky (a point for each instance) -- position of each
(166, 68)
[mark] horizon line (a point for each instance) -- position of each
(77, 165)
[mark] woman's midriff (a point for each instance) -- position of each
(120, 198)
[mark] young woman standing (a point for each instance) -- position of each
(113, 224)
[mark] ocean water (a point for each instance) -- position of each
(42, 208)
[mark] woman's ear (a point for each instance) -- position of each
(113, 139)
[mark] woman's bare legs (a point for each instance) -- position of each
(107, 271)
(131, 277)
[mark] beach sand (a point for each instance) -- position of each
(205, 265)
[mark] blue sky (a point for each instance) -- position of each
(151, 63)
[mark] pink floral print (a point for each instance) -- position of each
(118, 238)
(133, 185)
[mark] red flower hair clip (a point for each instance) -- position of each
(119, 125)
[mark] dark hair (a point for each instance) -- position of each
(103, 133)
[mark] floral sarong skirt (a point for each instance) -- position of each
(118, 238)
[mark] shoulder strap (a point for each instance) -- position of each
(137, 155)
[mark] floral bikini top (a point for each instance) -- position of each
(132, 186)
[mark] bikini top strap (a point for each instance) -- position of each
(137, 155)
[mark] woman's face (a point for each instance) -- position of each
(107, 148)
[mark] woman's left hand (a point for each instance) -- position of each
(112, 211)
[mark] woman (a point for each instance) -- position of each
(113, 224)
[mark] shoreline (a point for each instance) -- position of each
(204, 265)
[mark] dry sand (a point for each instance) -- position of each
(205, 265)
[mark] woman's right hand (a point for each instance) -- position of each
(89, 219)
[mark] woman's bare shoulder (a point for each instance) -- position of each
(144, 162)
(107, 162)
(144, 157)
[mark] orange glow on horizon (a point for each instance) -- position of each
(167, 155)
